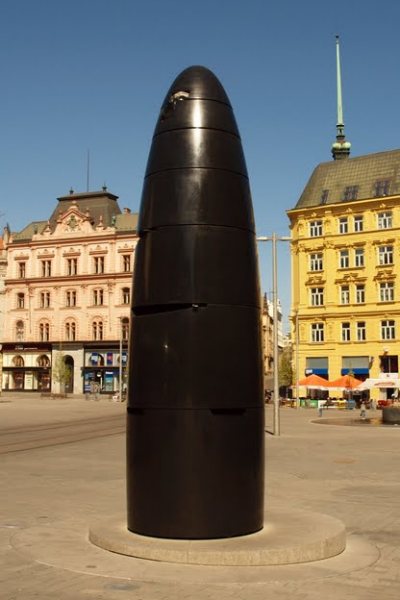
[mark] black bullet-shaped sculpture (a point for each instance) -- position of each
(195, 427)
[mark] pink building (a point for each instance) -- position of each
(66, 297)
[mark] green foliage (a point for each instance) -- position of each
(285, 368)
(61, 372)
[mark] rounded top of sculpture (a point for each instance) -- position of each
(197, 82)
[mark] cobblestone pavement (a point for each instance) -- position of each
(55, 492)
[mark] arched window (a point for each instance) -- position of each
(126, 295)
(19, 331)
(43, 361)
(44, 332)
(20, 300)
(18, 361)
(97, 330)
(125, 328)
(70, 331)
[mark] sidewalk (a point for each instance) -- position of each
(50, 496)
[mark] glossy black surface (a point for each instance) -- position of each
(196, 197)
(199, 263)
(211, 372)
(195, 458)
(195, 474)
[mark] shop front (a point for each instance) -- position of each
(102, 370)
(26, 368)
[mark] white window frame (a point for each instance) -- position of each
(388, 329)
(360, 293)
(317, 296)
(316, 261)
(358, 223)
(385, 220)
(385, 255)
(343, 225)
(361, 331)
(345, 294)
(359, 257)
(317, 333)
(344, 259)
(316, 228)
(386, 291)
(346, 333)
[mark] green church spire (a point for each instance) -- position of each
(340, 148)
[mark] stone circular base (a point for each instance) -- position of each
(391, 414)
(288, 537)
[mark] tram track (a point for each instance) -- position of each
(30, 437)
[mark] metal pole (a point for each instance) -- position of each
(275, 338)
(120, 360)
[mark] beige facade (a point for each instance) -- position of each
(345, 271)
(67, 292)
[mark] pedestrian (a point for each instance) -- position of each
(320, 408)
(363, 412)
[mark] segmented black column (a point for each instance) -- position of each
(195, 431)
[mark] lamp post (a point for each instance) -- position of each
(274, 238)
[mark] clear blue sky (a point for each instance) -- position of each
(91, 74)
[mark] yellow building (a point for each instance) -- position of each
(345, 267)
(345, 271)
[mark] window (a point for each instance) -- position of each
(98, 297)
(43, 361)
(70, 331)
(21, 270)
(72, 266)
(343, 225)
(324, 196)
(317, 296)
(46, 268)
(350, 193)
(20, 300)
(126, 263)
(344, 262)
(381, 188)
(98, 264)
(126, 295)
(18, 361)
(385, 220)
(361, 331)
(315, 228)
(19, 331)
(344, 294)
(388, 331)
(317, 332)
(125, 328)
(44, 299)
(386, 291)
(97, 330)
(360, 293)
(70, 298)
(345, 332)
(359, 257)
(385, 255)
(358, 223)
(44, 332)
(316, 262)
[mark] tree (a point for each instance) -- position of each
(61, 372)
(285, 368)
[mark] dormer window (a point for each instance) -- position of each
(324, 196)
(350, 193)
(381, 188)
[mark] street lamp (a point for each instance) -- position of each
(274, 238)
